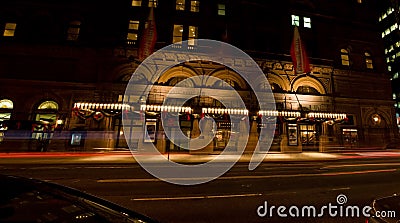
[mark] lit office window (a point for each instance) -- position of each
(221, 9)
(9, 29)
(194, 6)
(307, 22)
(73, 30)
(295, 20)
(136, 2)
(132, 35)
(153, 3)
(359, 1)
(177, 34)
(180, 5)
(193, 32)
(368, 60)
(344, 55)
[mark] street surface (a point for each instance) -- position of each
(234, 197)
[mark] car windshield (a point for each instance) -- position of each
(388, 203)
(24, 202)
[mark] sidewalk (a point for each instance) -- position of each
(127, 157)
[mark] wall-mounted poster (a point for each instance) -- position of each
(292, 134)
(150, 130)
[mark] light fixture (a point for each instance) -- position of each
(376, 119)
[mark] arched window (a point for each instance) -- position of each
(230, 82)
(276, 87)
(46, 115)
(47, 112)
(6, 104)
(73, 31)
(175, 80)
(48, 105)
(305, 89)
(368, 61)
(6, 107)
(344, 56)
(225, 83)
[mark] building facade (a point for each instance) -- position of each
(65, 66)
(389, 23)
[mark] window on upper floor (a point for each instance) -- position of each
(73, 30)
(177, 34)
(180, 5)
(133, 29)
(307, 22)
(295, 20)
(194, 6)
(359, 1)
(395, 75)
(368, 61)
(221, 9)
(344, 56)
(153, 3)
(9, 29)
(298, 20)
(193, 32)
(136, 2)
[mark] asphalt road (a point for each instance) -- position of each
(234, 197)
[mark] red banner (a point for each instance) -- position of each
(300, 60)
(148, 38)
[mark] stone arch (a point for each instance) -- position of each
(277, 79)
(123, 73)
(177, 71)
(229, 75)
(309, 81)
(36, 99)
(385, 118)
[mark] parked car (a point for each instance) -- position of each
(31, 200)
(386, 210)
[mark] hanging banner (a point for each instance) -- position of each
(148, 38)
(298, 53)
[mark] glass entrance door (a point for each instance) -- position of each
(308, 136)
